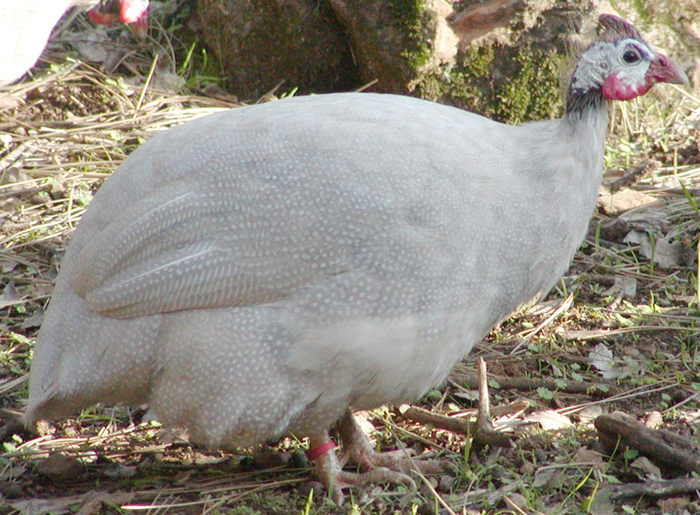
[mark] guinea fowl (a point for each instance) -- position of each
(266, 270)
(25, 27)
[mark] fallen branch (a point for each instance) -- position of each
(655, 488)
(458, 424)
(528, 384)
(428, 418)
(620, 431)
(633, 176)
(482, 430)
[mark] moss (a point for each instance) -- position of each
(534, 91)
(522, 84)
(477, 60)
(415, 20)
(642, 10)
(636, 5)
(466, 83)
(431, 88)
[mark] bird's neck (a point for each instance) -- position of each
(588, 113)
(587, 109)
(584, 95)
(582, 103)
(586, 121)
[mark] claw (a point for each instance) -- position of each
(392, 467)
(336, 480)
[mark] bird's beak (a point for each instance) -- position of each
(662, 69)
(132, 12)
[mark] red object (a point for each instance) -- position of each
(316, 452)
(132, 12)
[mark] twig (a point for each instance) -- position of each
(428, 418)
(530, 384)
(664, 446)
(485, 434)
(457, 424)
(484, 418)
(437, 496)
(529, 333)
(633, 176)
(655, 488)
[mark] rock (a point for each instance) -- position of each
(59, 467)
(261, 43)
(398, 43)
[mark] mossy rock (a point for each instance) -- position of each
(320, 46)
(506, 64)
(530, 88)
(393, 41)
(514, 73)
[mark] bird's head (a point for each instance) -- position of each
(133, 12)
(621, 64)
(634, 65)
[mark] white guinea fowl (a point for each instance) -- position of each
(25, 27)
(266, 270)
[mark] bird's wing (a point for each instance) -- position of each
(186, 248)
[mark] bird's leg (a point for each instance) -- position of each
(328, 468)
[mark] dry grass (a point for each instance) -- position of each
(74, 126)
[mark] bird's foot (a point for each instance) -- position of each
(359, 451)
(392, 467)
(335, 479)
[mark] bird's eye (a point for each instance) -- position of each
(631, 56)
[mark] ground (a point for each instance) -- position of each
(619, 334)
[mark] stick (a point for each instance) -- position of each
(664, 446)
(654, 488)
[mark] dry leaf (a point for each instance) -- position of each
(8, 265)
(60, 467)
(589, 414)
(9, 295)
(623, 284)
(622, 200)
(589, 457)
(601, 503)
(35, 320)
(674, 504)
(93, 45)
(669, 254)
(549, 419)
(642, 463)
(43, 506)
(602, 360)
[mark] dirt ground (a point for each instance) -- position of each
(597, 385)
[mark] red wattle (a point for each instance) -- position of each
(616, 89)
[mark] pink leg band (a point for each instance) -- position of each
(314, 453)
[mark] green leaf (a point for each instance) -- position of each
(545, 393)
